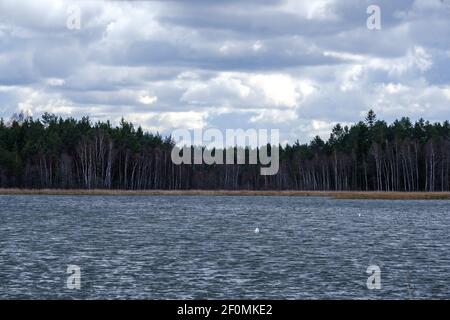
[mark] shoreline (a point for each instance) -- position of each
(368, 195)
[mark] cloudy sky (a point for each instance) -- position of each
(300, 66)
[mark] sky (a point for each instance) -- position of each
(297, 66)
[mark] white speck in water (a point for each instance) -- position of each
(359, 214)
(257, 230)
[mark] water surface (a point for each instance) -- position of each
(200, 247)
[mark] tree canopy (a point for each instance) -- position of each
(52, 152)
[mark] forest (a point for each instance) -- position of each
(371, 155)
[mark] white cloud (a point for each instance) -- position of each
(219, 91)
(146, 99)
(417, 58)
(36, 103)
(311, 10)
(167, 121)
(394, 88)
(277, 117)
(55, 82)
(352, 77)
(278, 89)
(257, 46)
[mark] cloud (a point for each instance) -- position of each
(300, 66)
(146, 99)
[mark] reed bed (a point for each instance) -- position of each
(331, 194)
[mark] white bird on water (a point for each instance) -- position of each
(257, 230)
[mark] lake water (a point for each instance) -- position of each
(176, 247)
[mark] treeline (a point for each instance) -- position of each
(52, 152)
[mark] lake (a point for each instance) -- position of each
(200, 247)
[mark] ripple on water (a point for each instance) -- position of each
(166, 247)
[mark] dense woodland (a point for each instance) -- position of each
(52, 152)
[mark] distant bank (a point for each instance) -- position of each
(331, 194)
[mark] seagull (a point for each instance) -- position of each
(257, 230)
(359, 214)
